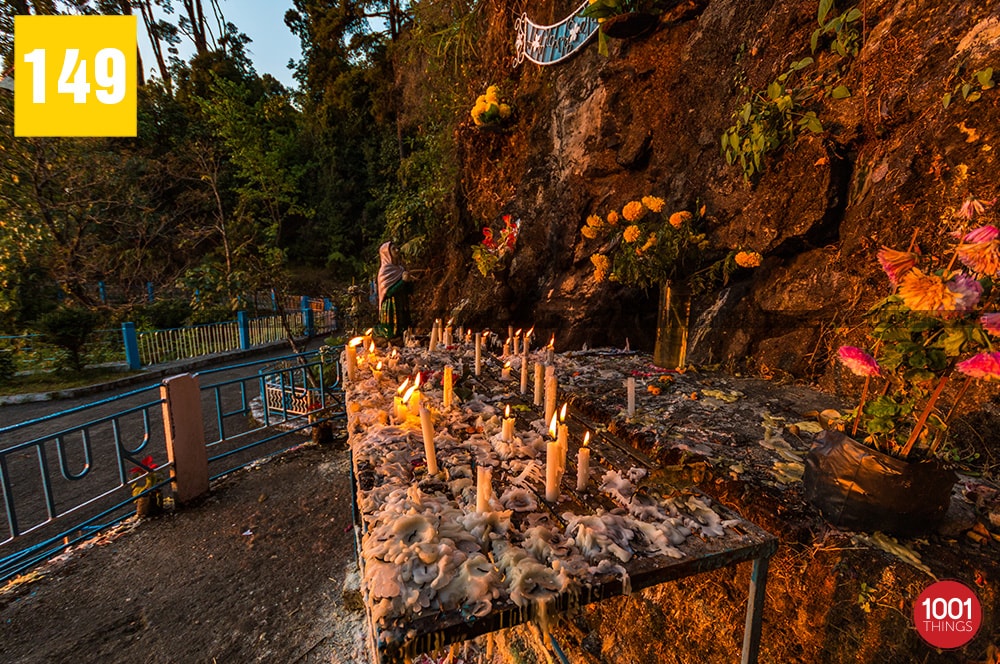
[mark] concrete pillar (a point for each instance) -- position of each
(185, 433)
(131, 341)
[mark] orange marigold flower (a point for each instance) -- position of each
(654, 203)
(613, 218)
(595, 221)
(931, 293)
(748, 258)
(677, 219)
(588, 232)
(631, 233)
(633, 210)
(653, 389)
(650, 241)
(602, 265)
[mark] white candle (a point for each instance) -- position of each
(506, 348)
(377, 370)
(550, 350)
(505, 372)
(448, 387)
(479, 353)
(484, 488)
(583, 464)
(527, 340)
(516, 348)
(352, 358)
(538, 383)
(428, 430)
(507, 428)
(448, 338)
(400, 406)
(366, 340)
(551, 389)
(524, 375)
(563, 439)
(630, 388)
(552, 466)
(510, 331)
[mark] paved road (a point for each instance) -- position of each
(78, 451)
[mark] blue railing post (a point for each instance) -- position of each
(131, 346)
(102, 292)
(308, 322)
(274, 301)
(243, 323)
(149, 291)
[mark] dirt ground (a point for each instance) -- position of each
(255, 572)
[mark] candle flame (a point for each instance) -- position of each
(369, 331)
(416, 383)
(553, 427)
(562, 413)
(506, 411)
(586, 439)
(530, 332)
(378, 367)
(394, 353)
(518, 333)
(486, 333)
(409, 393)
(552, 342)
(402, 386)
(506, 365)
(371, 349)
(356, 341)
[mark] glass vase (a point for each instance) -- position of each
(674, 312)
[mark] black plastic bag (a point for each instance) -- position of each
(859, 488)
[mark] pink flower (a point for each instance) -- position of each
(991, 323)
(971, 207)
(858, 361)
(980, 257)
(982, 234)
(896, 263)
(966, 290)
(983, 365)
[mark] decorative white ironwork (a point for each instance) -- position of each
(549, 44)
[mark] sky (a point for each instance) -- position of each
(264, 22)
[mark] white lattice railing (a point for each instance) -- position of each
(157, 346)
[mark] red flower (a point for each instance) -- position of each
(148, 466)
(488, 238)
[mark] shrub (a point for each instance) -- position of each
(69, 328)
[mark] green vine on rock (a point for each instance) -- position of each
(771, 119)
(842, 28)
(971, 89)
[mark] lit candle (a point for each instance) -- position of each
(506, 348)
(510, 331)
(479, 354)
(400, 405)
(413, 398)
(630, 388)
(505, 372)
(352, 358)
(393, 358)
(527, 340)
(552, 465)
(539, 369)
(448, 338)
(563, 439)
(366, 339)
(448, 386)
(428, 431)
(524, 374)
(484, 488)
(551, 388)
(550, 350)
(507, 428)
(377, 370)
(516, 347)
(583, 464)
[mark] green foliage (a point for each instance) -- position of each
(771, 119)
(841, 29)
(69, 328)
(163, 314)
(7, 366)
(971, 89)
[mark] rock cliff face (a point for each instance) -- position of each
(593, 133)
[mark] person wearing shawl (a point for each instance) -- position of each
(393, 293)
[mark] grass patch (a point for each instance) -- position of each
(52, 382)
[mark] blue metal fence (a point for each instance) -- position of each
(66, 476)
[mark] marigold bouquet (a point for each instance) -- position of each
(489, 110)
(645, 246)
(938, 321)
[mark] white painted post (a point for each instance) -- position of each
(185, 434)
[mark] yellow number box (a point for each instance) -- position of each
(75, 75)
